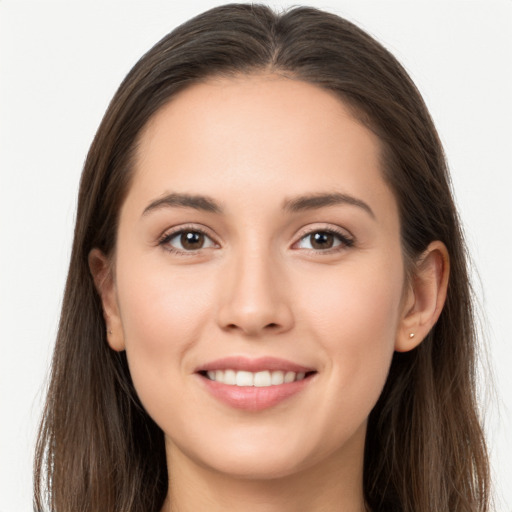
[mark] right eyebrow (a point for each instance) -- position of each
(321, 200)
(197, 202)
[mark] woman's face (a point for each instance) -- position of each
(258, 244)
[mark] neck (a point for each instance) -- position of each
(326, 487)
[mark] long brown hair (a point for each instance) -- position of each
(98, 450)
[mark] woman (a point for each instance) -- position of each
(268, 305)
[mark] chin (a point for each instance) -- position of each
(257, 467)
(262, 458)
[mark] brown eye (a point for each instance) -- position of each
(322, 240)
(192, 240)
(187, 241)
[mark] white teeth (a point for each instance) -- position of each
(244, 379)
(289, 377)
(258, 379)
(230, 377)
(262, 379)
(277, 378)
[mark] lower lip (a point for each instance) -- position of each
(252, 398)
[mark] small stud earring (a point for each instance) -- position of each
(109, 331)
(411, 335)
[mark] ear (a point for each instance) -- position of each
(425, 297)
(102, 273)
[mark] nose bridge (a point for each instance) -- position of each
(254, 297)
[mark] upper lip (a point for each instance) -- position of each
(241, 363)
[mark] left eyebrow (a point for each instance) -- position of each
(196, 202)
(316, 201)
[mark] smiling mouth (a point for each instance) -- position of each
(261, 379)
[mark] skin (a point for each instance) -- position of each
(258, 287)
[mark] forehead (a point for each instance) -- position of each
(270, 109)
(265, 134)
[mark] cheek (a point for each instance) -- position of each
(355, 319)
(363, 300)
(159, 304)
(163, 315)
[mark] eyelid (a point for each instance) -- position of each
(170, 233)
(346, 238)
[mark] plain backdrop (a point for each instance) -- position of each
(60, 63)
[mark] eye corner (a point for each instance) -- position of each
(199, 236)
(332, 239)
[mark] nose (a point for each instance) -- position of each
(253, 299)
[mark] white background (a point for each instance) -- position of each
(60, 63)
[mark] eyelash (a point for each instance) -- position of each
(167, 237)
(345, 241)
